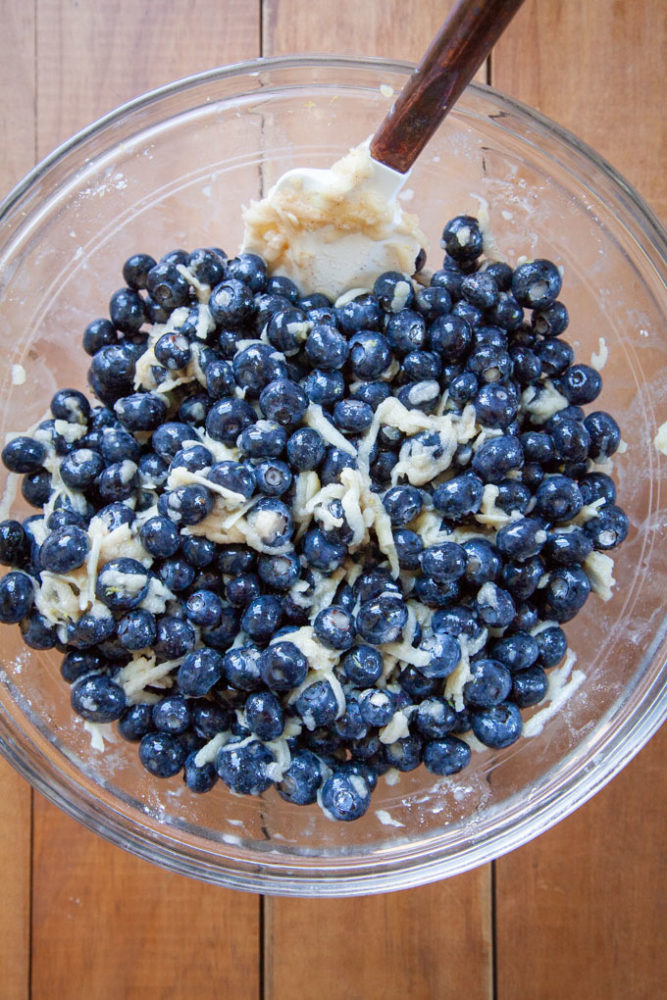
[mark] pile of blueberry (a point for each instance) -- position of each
(232, 363)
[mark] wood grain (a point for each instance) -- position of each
(424, 943)
(105, 924)
(578, 908)
(429, 942)
(17, 129)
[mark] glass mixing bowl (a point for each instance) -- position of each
(172, 169)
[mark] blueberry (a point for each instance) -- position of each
(434, 718)
(496, 405)
(199, 672)
(122, 584)
(193, 410)
(372, 393)
(112, 371)
(609, 528)
(279, 572)
(13, 543)
(172, 715)
(456, 620)
(350, 725)
(16, 596)
(443, 562)
(565, 593)
(99, 333)
(373, 582)
(522, 538)
(227, 419)
(490, 683)
(495, 606)
(529, 686)
(265, 439)
(272, 523)
(480, 290)
(352, 416)
(321, 552)
(305, 449)
(552, 645)
(198, 779)
(555, 356)
(558, 498)
(301, 780)
(80, 468)
(167, 286)
(256, 366)
(377, 706)
(570, 438)
(242, 590)
(517, 651)
(186, 505)
(506, 313)
(97, 698)
(463, 388)
(249, 268)
(382, 619)
(209, 718)
(363, 665)
(361, 313)
(240, 668)
(174, 637)
(136, 268)
(444, 654)
(233, 476)
(264, 715)
(126, 309)
(243, 767)
(37, 632)
(161, 754)
(136, 629)
(450, 336)
(403, 504)
(605, 435)
(498, 726)
(23, 454)
(431, 302)
(159, 536)
(261, 618)
(459, 496)
(550, 321)
(203, 608)
(335, 460)
(91, 629)
(324, 387)
(64, 550)
(409, 546)
(345, 796)
(334, 627)
(406, 330)
(462, 238)
(136, 721)
(233, 559)
(405, 754)
(370, 354)
(447, 755)
(393, 291)
(536, 284)
(496, 457)
(570, 546)
(273, 478)
(283, 666)
(597, 486)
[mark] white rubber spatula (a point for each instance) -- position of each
(295, 226)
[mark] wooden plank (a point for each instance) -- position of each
(17, 128)
(597, 68)
(108, 925)
(428, 942)
(578, 908)
(423, 943)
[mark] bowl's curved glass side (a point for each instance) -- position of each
(64, 239)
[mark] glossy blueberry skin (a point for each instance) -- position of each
(99, 333)
(326, 348)
(232, 304)
(265, 439)
(122, 594)
(136, 268)
(275, 531)
(64, 550)
(463, 388)
(112, 369)
(198, 550)
(305, 449)
(496, 405)
(256, 366)
(90, 630)
(444, 652)
(137, 629)
(167, 286)
(114, 515)
(345, 797)
(350, 725)
(172, 715)
(283, 666)
(241, 590)
(495, 606)
(159, 536)
(459, 496)
(233, 559)
(536, 284)
(161, 754)
(170, 438)
(370, 354)
(462, 238)
(572, 546)
(220, 381)
(522, 538)
(377, 706)
(126, 309)
(71, 406)
(135, 722)
(321, 552)
(198, 779)
(406, 331)
(278, 284)
(437, 595)
(334, 628)
(490, 683)
(430, 302)
(555, 356)
(81, 467)
(456, 620)
(373, 582)
(193, 410)
(203, 608)
(186, 505)
(558, 498)
(520, 579)
(301, 780)
(446, 755)
(279, 572)
(605, 435)
(552, 645)
(352, 416)
(175, 637)
(529, 686)
(96, 698)
(450, 336)
(210, 718)
(262, 618)
(361, 313)
(405, 754)
(516, 652)
(372, 393)
(249, 268)
(381, 619)
(403, 504)
(571, 439)
(37, 632)
(324, 387)
(199, 672)
(228, 418)
(498, 726)
(580, 384)
(273, 478)
(23, 454)
(243, 768)
(434, 718)
(283, 401)
(597, 485)
(141, 411)
(550, 321)
(483, 561)
(565, 593)
(16, 596)
(443, 562)
(609, 528)
(233, 476)
(264, 715)
(287, 329)
(393, 291)
(409, 546)
(496, 457)
(363, 665)
(240, 668)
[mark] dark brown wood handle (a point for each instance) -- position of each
(451, 61)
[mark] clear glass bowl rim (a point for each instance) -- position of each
(359, 877)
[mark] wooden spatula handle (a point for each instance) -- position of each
(451, 61)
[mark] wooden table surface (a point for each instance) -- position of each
(579, 912)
